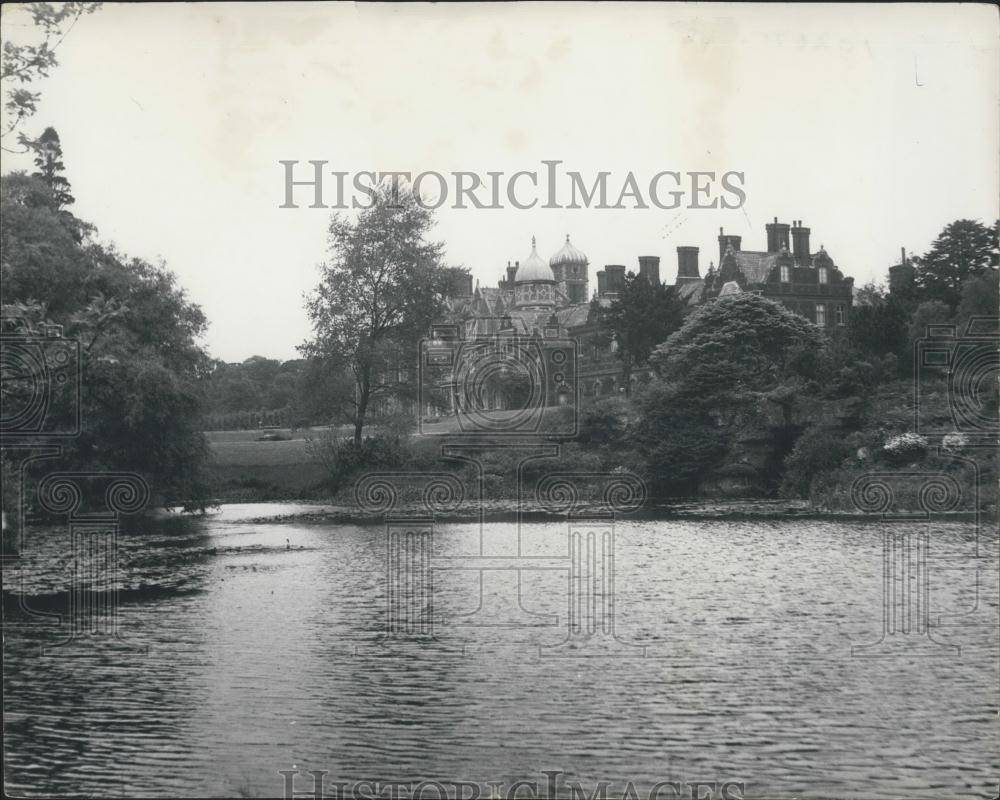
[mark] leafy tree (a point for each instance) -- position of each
(48, 159)
(41, 257)
(930, 312)
(138, 334)
(640, 318)
(817, 451)
(871, 294)
(324, 392)
(965, 248)
(24, 63)
(378, 293)
(728, 357)
(980, 298)
(735, 345)
(880, 325)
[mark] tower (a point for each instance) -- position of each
(534, 283)
(569, 268)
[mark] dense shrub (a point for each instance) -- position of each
(904, 448)
(346, 461)
(603, 423)
(817, 451)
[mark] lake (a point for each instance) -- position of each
(455, 653)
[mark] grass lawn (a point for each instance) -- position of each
(243, 468)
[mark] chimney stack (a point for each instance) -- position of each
(649, 266)
(726, 240)
(615, 278)
(901, 275)
(602, 283)
(777, 236)
(687, 265)
(511, 272)
(800, 242)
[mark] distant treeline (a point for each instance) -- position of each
(266, 392)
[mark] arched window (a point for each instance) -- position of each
(823, 275)
(786, 273)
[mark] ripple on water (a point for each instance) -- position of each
(274, 660)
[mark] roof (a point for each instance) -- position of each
(690, 291)
(568, 255)
(574, 316)
(755, 265)
(533, 268)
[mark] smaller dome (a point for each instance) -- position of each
(568, 255)
(533, 268)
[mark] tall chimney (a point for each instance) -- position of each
(649, 266)
(800, 243)
(728, 239)
(687, 264)
(615, 280)
(777, 236)
(602, 283)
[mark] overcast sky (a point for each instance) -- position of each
(875, 125)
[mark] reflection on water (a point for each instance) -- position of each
(267, 651)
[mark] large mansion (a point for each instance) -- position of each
(552, 298)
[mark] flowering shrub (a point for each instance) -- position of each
(954, 441)
(905, 447)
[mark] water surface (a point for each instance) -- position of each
(265, 650)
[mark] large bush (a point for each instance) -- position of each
(732, 357)
(816, 451)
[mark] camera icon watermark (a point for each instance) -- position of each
(969, 365)
(498, 381)
(40, 380)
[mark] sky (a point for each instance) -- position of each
(875, 125)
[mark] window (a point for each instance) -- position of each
(823, 275)
(820, 314)
(785, 274)
(841, 315)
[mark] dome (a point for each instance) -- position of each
(568, 255)
(533, 268)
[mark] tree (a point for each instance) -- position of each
(965, 248)
(930, 312)
(730, 356)
(378, 293)
(980, 298)
(737, 344)
(24, 63)
(48, 159)
(640, 318)
(138, 336)
(880, 324)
